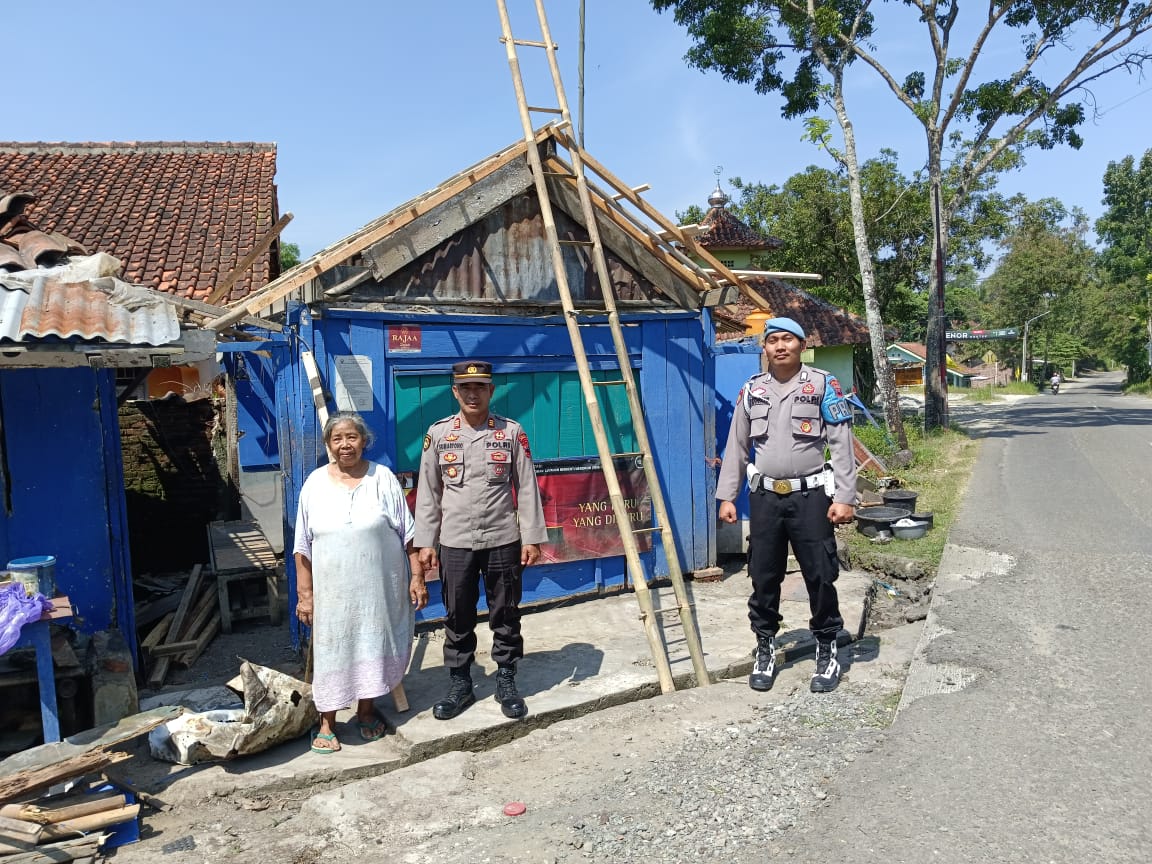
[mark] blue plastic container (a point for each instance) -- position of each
(45, 568)
(125, 832)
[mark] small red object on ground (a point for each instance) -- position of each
(514, 808)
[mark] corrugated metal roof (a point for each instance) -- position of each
(35, 304)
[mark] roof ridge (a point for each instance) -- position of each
(138, 146)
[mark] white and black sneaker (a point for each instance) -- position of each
(827, 675)
(764, 668)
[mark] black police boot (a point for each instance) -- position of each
(459, 697)
(827, 675)
(510, 702)
(764, 668)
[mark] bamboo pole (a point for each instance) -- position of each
(643, 595)
(655, 491)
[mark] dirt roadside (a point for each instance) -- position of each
(650, 766)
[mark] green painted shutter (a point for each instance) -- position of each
(549, 405)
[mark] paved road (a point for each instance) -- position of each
(1031, 739)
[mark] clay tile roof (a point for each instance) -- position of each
(179, 215)
(825, 324)
(720, 229)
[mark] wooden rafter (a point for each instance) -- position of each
(656, 216)
(371, 233)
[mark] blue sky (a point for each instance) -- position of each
(370, 104)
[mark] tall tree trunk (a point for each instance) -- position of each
(885, 380)
(936, 363)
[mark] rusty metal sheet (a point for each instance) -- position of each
(103, 308)
(504, 258)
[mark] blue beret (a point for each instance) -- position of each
(786, 325)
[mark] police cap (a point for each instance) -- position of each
(472, 370)
(783, 325)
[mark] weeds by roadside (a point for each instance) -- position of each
(939, 471)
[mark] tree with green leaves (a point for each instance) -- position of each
(289, 256)
(1044, 273)
(803, 48)
(810, 213)
(1126, 228)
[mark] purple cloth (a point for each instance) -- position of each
(16, 610)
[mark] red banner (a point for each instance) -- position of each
(577, 509)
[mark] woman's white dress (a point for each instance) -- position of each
(363, 618)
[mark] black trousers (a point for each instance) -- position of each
(802, 518)
(460, 572)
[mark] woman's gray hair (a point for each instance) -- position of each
(348, 417)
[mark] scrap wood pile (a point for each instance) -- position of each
(61, 801)
(177, 625)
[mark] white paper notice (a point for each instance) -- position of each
(354, 383)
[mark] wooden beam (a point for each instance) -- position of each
(775, 274)
(636, 190)
(94, 822)
(348, 284)
(160, 670)
(208, 309)
(33, 779)
(686, 296)
(206, 636)
(371, 233)
(663, 221)
(225, 285)
(47, 812)
(686, 230)
(156, 634)
(429, 230)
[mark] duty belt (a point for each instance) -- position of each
(786, 486)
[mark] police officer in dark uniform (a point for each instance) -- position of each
(466, 522)
(784, 417)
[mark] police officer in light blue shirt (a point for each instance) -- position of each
(782, 420)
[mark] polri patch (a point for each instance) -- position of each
(523, 439)
(427, 441)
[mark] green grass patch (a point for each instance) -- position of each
(1144, 388)
(939, 471)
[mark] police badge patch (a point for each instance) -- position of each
(523, 439)
(427, 441)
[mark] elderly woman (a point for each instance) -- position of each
(357, 579)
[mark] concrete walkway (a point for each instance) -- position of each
(580, 658)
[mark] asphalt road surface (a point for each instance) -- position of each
(1026, 736)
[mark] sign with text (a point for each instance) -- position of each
(577, 509)
(962, 335)
(405, 339)
(579, 514)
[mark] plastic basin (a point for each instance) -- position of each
(872, 520)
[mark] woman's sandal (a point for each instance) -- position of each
(331, 745)
(373, 730)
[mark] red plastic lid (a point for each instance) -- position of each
(514, 808)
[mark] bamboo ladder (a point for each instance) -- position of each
(649, 615)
